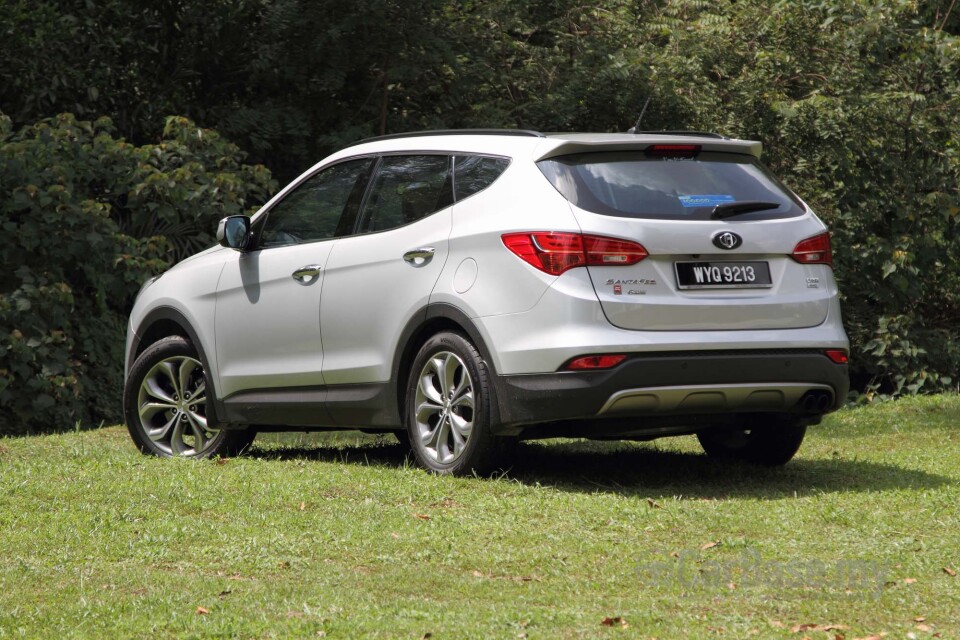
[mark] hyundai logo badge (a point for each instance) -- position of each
(727, 240)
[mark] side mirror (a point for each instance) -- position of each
(233, 232)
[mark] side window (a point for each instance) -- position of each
(405, 189)
(313, 210)
(475, 173)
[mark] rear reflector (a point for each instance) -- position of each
(673, 150)
(815, 250)
(596, 362)
(556, 252)
(838, 356)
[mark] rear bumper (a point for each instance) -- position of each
(568, 322)
(679, 384)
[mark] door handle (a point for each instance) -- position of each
(419, 257)
(307, 273)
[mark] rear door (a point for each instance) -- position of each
(378, 279)
(720, 231)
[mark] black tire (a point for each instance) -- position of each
(770, 442)
(162, 423)
(435, 420)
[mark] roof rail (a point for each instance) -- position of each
(701, 134)
(454, 132)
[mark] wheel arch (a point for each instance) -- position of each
(433, 320)
(163, 322)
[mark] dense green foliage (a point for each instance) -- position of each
(85, 219)
(856, 101)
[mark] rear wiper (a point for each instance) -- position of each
(730, 209)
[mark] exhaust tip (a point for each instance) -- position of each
(816, 402)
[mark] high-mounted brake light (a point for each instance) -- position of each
(588, 363)
(556, 252)
(673, 150)
(838, 356)
(815, 250)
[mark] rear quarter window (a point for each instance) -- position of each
(473, 174)
(631, 184)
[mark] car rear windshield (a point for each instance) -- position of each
(633, 184)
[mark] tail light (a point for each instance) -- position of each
(815, 250)
(556, 252)
(588, 363)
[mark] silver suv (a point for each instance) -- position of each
(466, 289)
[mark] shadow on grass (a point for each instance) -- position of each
(631, 470)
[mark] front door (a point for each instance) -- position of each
(268, 334)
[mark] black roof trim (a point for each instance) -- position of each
(454, 132)
(700, 134)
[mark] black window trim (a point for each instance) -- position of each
(374, 172)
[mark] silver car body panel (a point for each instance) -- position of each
(188, 289)
(371, 293)
(538, 341)
(657, 304)
(268, 323)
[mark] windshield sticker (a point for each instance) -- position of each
(705, 200)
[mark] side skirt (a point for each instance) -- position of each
(353, 406)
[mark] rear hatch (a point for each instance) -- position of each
(730, 248)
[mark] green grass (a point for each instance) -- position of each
(337, 535)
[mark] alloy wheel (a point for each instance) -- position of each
(172, 404)
(444, 407)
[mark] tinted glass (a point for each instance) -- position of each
(476, 173)
(405, 189)
(313, 210)
(630, 184)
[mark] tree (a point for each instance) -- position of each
(82, 229)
